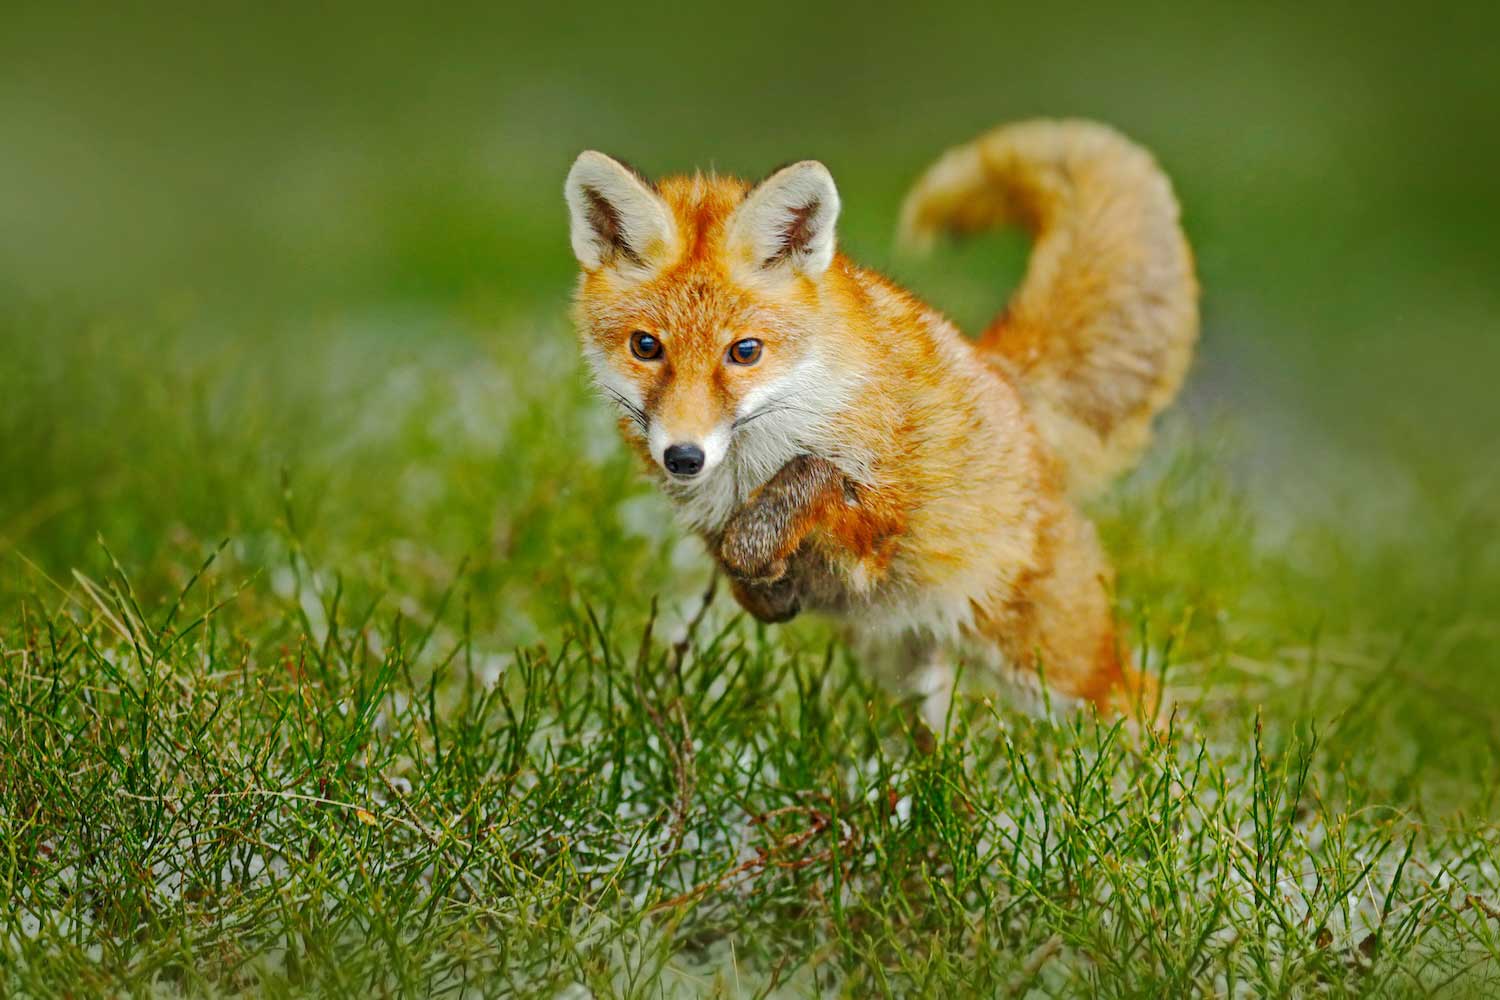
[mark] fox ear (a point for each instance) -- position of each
(616, 217)
(787, 221)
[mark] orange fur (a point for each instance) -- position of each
(874, 463)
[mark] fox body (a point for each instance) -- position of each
(841, 447)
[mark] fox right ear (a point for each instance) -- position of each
(786, 224)
(617, 219)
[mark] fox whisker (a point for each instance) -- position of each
(634, 412)
(766, 412)
(781, 404)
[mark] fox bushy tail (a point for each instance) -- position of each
(1100, 332)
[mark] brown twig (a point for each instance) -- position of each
(681, 646)
(1030, 968)
(432, 838)
(767, 857)
(680, 751)
(1473, 902)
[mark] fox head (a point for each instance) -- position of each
(701, 307)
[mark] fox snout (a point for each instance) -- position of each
(685, 455)
(684, 460)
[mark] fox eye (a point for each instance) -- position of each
(645, 346)
(745, 352)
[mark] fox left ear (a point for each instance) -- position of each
(787, 221)
(617, 219)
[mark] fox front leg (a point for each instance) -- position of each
(759, 546)
(761, 538)
(763, 535)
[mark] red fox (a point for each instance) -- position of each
(842, 448)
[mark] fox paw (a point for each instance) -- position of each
(772, 603)
(750, 548)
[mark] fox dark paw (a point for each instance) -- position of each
(772, 603)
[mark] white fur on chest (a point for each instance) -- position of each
(754, 456)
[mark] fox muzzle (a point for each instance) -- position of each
(684, 460)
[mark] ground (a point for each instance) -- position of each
(344, 648)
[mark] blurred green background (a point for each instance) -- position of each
(1337, 163)
(226, 234)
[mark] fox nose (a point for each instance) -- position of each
(683, 459)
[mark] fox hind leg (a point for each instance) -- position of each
(1060, 626)
(917, 668)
